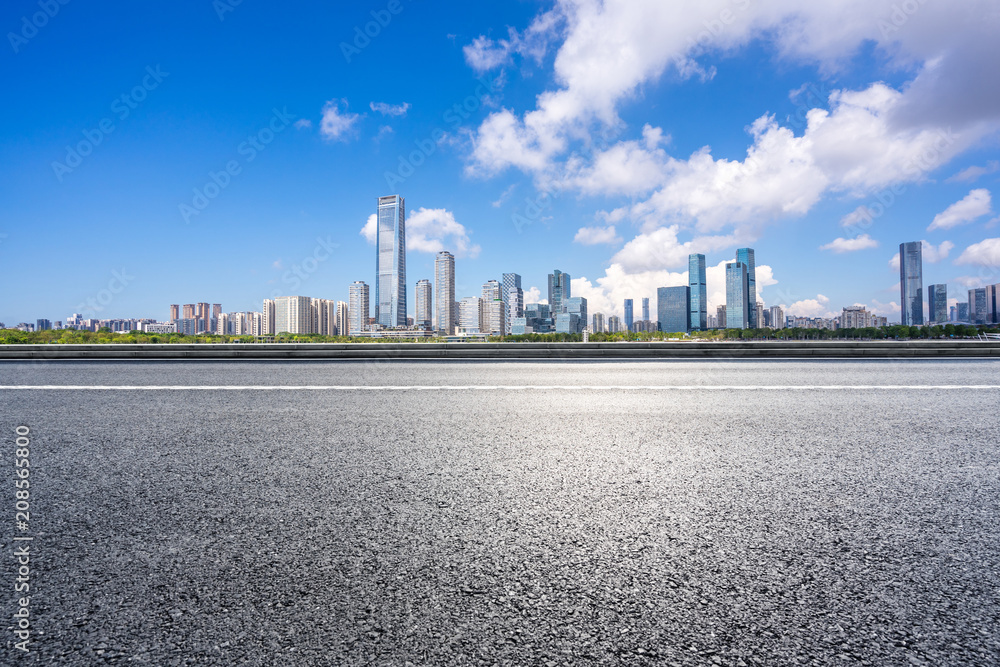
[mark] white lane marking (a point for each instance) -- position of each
(527, 387)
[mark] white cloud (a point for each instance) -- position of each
(661, 249)
(533, 295)
(864, 141)
(336, 124)
(984, 253)
(842, 245)
(596, 235)
(484, 54)
(370, 230)
(429, 230)
(974, 205)
(818, 307)
(972, 173)
(303, 124)
(860, 214)
(277, 264)
(929, 253)
(390, 109)
(505, 195)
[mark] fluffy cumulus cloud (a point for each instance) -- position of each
(484, 53)
(974, 205)
(337, 122)
(534, 295)
(818, 307)
(596, 235)
(390, 109)
(429, 230)
(842, 245)
(985, 253)
(929, 253)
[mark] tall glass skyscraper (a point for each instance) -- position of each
(390, 262)
(629, 318)
(737, 287)
(699, 292)
(745, 256)
(444, 293)
(937, 303)
(911, 284)
(513, 298)
(673, 308)
(645, 309)
(559, 291)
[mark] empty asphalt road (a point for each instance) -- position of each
(529, 513)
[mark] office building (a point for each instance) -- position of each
(629, 319)
(673, 309)
(538, 316)
(777, 317)
(357, 309)
(737, 290)
(576, 310)
(423, 318)
(645, 309)
(492, 306)
(720, 317)
(855, 317)
(962, 312)
(444, 293)
(745, 256)
(43, 325)
(470, 315)
(991, 303)
(598, 323)
(513, 298)
(390, 265)
(699, 292)
(911, 283)
(937, 304)
(614, 324)
(559, 290)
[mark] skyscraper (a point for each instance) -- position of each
(267, 318)
(737, 287)
(645, 309)
(357, 309)
(699, 292)
(470, 314)
(342, 318)
(444, 293)
(390, 262)
(175, 312)
(292, 314)
(598, 319)
(911, 283)
(937, 303)
(574, 319)
(513, 298)
(720, 316)
(745, 256)
(673, 308)
(492, 307)
(422, 320)
(559, 290)
(777, 317)
(629, 320)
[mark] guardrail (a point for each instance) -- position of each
(648, 349)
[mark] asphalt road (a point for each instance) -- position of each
(771, 522)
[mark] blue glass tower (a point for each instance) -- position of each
(699, 292)
(559, 290)
(911, 283)
(628, 314)
(737, 287)
(745, 256)
(390, 262)
(673, 308)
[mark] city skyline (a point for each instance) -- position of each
(135, 170)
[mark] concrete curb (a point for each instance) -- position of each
(500, 351)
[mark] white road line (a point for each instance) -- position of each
(527, 387)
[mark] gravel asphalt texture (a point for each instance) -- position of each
(508, 527)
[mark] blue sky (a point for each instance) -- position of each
(606, 139)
